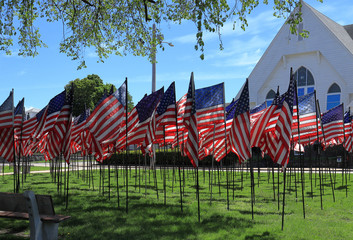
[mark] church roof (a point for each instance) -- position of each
(342, 33)
(349, 29)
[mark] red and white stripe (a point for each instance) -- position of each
(240, 136)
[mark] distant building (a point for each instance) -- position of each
(321, 62)
(31, 112)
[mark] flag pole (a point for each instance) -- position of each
(198, 193)
(252, 187)
(164, 170)
(344, 174)
(211, 175)
(285, 169)
(15, 186)
(284, 195)
(300, 152)
(225, 144)
(318, 155)
(178, 155)
(20, 142)
(126, 150)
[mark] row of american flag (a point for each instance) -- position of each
(198, 123)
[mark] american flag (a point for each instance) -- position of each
(19, 114)
(240, 130)
(59, 138)
(106, 119)
(6, 129)
(54, 107)
(166, 108)
(192, 143)
(214, 139)
(30, 125)
(163, 119)
(348, 131)
(273, 137)
(262, 131)
(180, 105)
(307, 120)
(284, 125)
(332, 122)
(141, 116)
(258, 129)
(209, 104)
(269, 138)
(256, 112)
(6, 112)
(79, 131)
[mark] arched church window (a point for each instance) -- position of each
(269, 97)
(333, 96)
(305, 81)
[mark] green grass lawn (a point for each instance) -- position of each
(94, 216)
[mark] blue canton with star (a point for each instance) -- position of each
(146, 106)
(230, 109)
(347, 117)
(19, 108)
(334, 114)
(243, 103)
(120, 94)
(40, 113)
(288, 96)
(167, 99)
(209, 96)
(56, 103)
(258, 108)
(8, 104)
(306, 104)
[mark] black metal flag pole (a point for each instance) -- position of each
(67, 187)
(278, 183)
(164, 172)
(252, 186)
(300, 152)
(284, 195)
(126, 148)
(15, 184)
(178, 155)
(117, 178)
(225, 145)
(344, 175)
(20, 144)
(211, 175)
(318, 155)
(285, 169)
(273, 183)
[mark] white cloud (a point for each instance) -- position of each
(344, 8)
(14, 53)
(91, 53)
(243, 59)
(21, 73)
(261, 23)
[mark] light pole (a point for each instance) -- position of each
(154, 53)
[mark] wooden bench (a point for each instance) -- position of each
(38, 209)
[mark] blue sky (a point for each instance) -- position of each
(39, 79)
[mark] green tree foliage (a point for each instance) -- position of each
(119, 27)
(88, 91)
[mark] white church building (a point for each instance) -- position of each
(321, 62)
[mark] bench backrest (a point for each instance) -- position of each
(16, 202)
